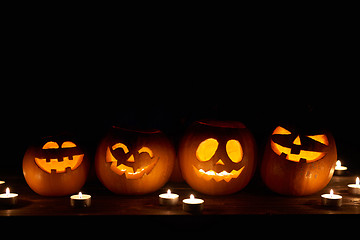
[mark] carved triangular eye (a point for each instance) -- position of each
(281, 131)
(320, 138)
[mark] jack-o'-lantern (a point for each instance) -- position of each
(217, 157)
(134, 162)
(298, 162)
(55, 166)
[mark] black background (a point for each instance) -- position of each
(84, 81)
(56, 105)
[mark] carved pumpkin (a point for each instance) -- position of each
(217, 157)
(134, 162)
(297, 162)
(55, 166)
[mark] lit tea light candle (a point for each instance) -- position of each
(331, 200)
(8, 198)
(354, 188)
(168, 198)
(80, 200)
(339, 170)
(193, 204)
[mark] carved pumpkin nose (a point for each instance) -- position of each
(297, 141)
(220, 162)
(131, 159)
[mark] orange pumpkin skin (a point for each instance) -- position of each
(64, 180)
(215, 173)
(134, 162)
(298, 178)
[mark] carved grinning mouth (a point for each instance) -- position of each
(211, 174)
(54, 165)
(303, 156)
(129, 171)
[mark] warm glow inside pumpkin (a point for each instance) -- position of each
(298, 161)
(120, 168)
(131, 161)
(59, 165)
(55, 166)
(283, 142)
(217, 157)
(206, 151)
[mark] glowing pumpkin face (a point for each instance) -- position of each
(217, 157)
(308, 148)
(55, 160)
(298, 162)
(134, 162)
(207, 150)
(55, 166)
(125, 162)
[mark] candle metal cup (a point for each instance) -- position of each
(168, 199)
(8, 200)
(193, 205)
(354, 189)
(83, 202)
(328, 201)
(340, 171)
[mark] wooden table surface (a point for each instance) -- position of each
(254, 205)
(255, 199)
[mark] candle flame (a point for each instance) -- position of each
(357, 181)
(80, 194)
(7, 191)
(192, 196)
(331, 193)
(168, 192)
(338, 163)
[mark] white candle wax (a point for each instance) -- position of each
(339, 170)
(193, 204)
(168, 198)
(331, 200)
(354, 188)
(80, 200)
(8, 198)
(193, 200)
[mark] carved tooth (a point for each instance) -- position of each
(211, 174)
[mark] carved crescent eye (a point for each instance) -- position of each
(50, 145)
(207, 149)
(68, 144)
(147, 150)
(120, 145)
